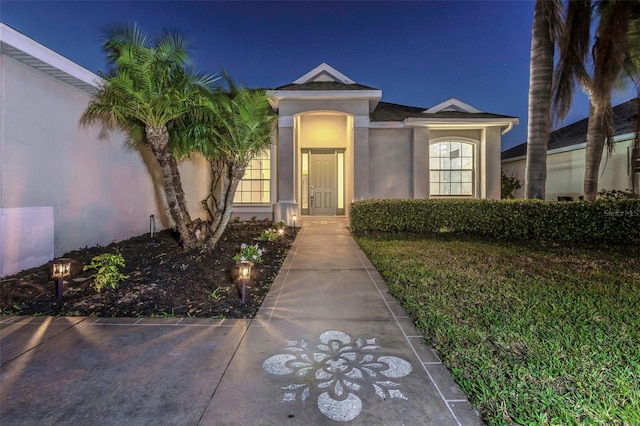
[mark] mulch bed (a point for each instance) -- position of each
(163, 279)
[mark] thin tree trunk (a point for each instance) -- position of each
(593, 152)
(224, 209)
(540, 83)
(158, 138)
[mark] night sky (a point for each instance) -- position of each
(418, 53)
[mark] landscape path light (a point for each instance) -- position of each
(244, 274)
(60, 268)
(294, 217)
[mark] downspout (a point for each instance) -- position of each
(509, 127)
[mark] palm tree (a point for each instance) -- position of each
(148, 90)
(546, 23)
(612, 55)
(243, 124)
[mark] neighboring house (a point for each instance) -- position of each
(337, 142)
(566, 157)
(63, 187)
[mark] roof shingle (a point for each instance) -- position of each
(386, 111)
(576, 133)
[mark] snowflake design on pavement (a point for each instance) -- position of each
(337, 368)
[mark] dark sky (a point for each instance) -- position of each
(418, 53)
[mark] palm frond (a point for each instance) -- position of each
(573, 44)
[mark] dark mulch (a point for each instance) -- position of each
(163, 279)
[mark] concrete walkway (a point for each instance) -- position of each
(328, 346)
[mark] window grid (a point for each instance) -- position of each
(255, 186)
(451, 169)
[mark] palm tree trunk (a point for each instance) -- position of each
(593, 152)
(158, 139)
(540, 83)
(224, 209)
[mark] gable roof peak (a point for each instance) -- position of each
(324, 73)
(453, 104)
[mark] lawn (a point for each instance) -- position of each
(535, 334)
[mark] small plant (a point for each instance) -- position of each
(236, 219)
(279, 224)
(254, 219)
(270, 234)
(249, 253)
(215, 294)
(107, 268)
(266, 219)
(509, 185)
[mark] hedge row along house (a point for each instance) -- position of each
(619, 170)
(64, 186)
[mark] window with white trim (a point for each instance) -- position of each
(255, 186)
(451, 169)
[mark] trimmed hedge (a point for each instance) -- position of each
(602, 221)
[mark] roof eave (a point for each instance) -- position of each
(471, 123)
(373, 96)
(30, 52)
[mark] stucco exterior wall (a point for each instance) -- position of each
(291, 107)
(323, 131)
(492, 163)
(100, 191)
(390, 163)
(565, 171)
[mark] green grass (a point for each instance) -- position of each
(534, 334)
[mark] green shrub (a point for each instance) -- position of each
(270, 234)
(508, 185)
(249, 253)
(107, 270)
(602, 221)
(615, 194)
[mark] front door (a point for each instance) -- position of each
(322, 184)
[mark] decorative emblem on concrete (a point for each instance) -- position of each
(337, 369)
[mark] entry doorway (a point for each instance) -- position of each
(322, 182)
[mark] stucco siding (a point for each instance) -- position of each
(100, 190)
(323, 131)
(390, 163)
(492, 162)
(357, 107)
(455, 133)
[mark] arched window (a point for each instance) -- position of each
(451, 169)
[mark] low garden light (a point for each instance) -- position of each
(294, 217)
(281, 232)
(60, 268)
(244, 274)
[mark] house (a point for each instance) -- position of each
(566, 158)
(336, 141)
(64, 186)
